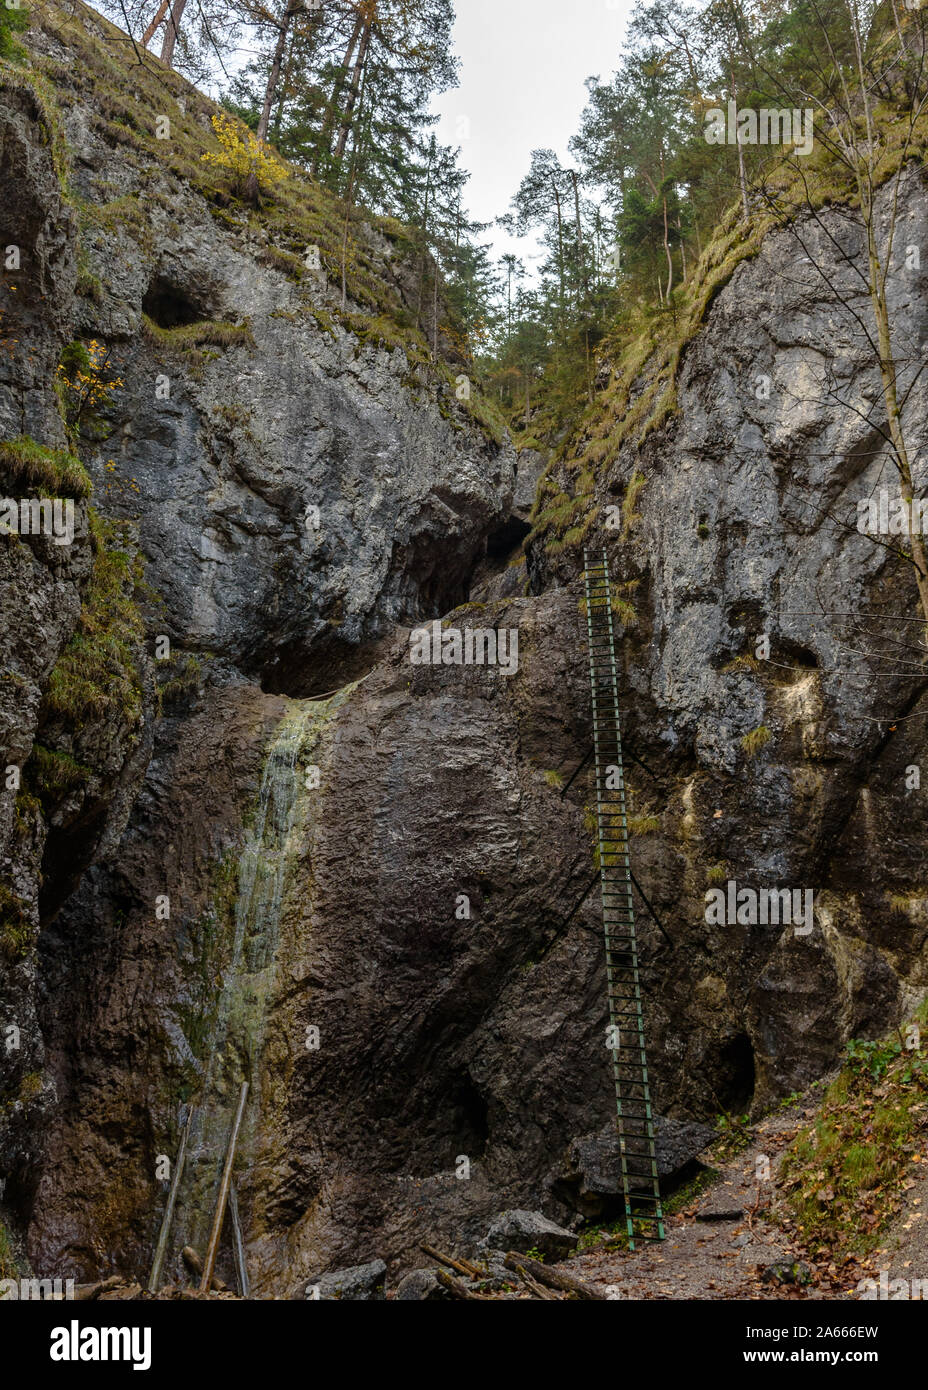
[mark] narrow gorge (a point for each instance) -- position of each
(245, 837)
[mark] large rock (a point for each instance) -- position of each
(360, 1284)
(594, 1163)
(523, 1231)
(299, 489)
(420, 1286)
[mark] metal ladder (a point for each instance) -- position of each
(635, 1123)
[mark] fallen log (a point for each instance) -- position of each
(83, 1293)
(462, 1266)
(212, 1249)
(537, 1289)
(195, 1265)
(161, 1249)
(238, 1246)
(457, 1289)
(554, 1278)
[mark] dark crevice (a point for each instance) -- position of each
(470, 1118)
(293, 672)
(169, 306)
(735, 1077)
(502, 541)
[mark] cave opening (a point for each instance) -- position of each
(169, 306)
(801, 656)
(735, 1074)
(503, 540)
(793, 663)
(299, 674)
(470, 1118)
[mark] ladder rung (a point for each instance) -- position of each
(634, 1117)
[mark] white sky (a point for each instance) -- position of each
(523, 66)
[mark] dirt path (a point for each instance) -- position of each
(719, 1247)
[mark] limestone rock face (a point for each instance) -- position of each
(40, 586)
(291, 488)
(298, 489)
(770, 670)
(372, 894)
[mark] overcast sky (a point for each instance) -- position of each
(523, 66)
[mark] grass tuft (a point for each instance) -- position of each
(57, 472)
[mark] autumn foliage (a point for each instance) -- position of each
(250, 166)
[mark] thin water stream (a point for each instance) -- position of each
(274, 840)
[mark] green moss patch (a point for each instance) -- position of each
(16, 931)
(97, 673)
(757, 739)
(197, 335)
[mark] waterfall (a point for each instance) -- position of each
(273, 840)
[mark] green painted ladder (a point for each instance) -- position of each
(635, 1122)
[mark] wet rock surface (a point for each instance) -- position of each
(433, 1032)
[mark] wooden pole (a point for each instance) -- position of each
(238, 1245)
(212, 1249)
(161, 1248)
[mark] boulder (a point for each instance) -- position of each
(419, 1286)
(359, 1284)
(596, 1161)
(529, 1230)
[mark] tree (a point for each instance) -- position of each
(292, 9)
(893, 59)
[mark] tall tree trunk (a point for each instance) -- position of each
(742, 176)
(171, 31)
(159, 15)
(865, 175)
(560, 247)
(425, 224)
(284, 87)
(667, 251)
(581, 250)
(893, 412)
(435, 313)
(360, 135)
(273, 78)
(328, 120)
(356, 79)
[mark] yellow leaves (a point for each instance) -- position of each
(84, 375)
(243, 157)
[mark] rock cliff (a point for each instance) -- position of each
(371, 891)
